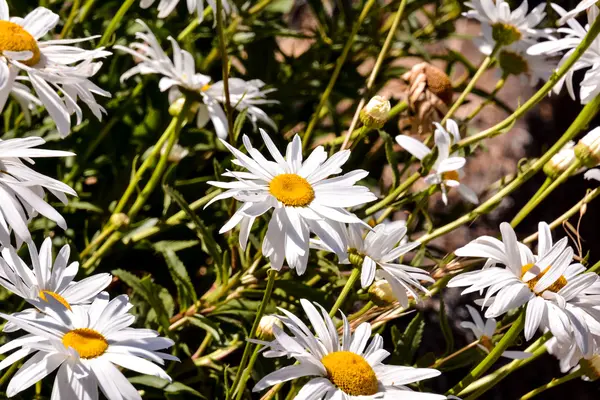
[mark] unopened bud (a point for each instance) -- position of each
(561, 161)
(376, 112)
(265, 327)
(588, 149)
(176, 154)
(177, 107)
(119, 220)
(381, 293)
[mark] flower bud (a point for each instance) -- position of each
(177, 153)
(265, 327)
(376, 112)
(119, 220)
(588, 149)
(176, 108)
(381, 293)
(561, 161)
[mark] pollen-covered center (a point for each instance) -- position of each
(450, 176)
(43, 293)
(560, 283)
(505, 34)
(292, 190)
(87, 342)
(14, 38)
(350, 373)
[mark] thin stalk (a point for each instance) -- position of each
(482, 385)
(582, 120)
(540, 94)
(347, 288)
(98, 239)
(193, 25)
(336, 72)
(594, 268)
(456, 353)
(247, 372)
(507, 340)
(261, 310)
(225, 69)
(70, 19)
(553, 383)
(14, 366)
(482, 68)
(499, 85)
(114, 23)
(85, 10)
(114, 238)
(393, 196)
(362, 311)
(542, 194)
(382, 54)
(576, 208)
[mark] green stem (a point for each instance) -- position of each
(114, 23)
(540, 94)
(553, 383)
(393, 196)
(488, 101)
(542, 193)
(482, 68)
(382, 54)
(98, 239)
(72, 15)
(247, 372)
(507, 340)
(482, 385)
(261, 310)
(347, 288)
(225, 69)
(336, 72)
(594, 268)
(582, 120)
(193, 25)
(85, 10)
(114, 238)
(9, 373)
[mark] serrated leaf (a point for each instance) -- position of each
(186, 293)
(407, 344)
(149, 291)
(174, 245)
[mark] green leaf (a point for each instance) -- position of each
(150, 292)
(201, 321)
(186, 293)
(163, 384)
(446, 330)
(407, 344)
(174, 245)
(391, 157)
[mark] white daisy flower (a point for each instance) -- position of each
(548, 284)
(531, 69)
(47, 278)
(166, 7)
(22, 189)
(500, 25)
(584, 5)
(446, 171)
(346, 371)
(484, 331)
(570, 357)
(302, 197)
(50, 66)
(589, 87)
(180, 73)
(380, 248)
(87, 345)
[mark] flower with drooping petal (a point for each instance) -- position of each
(549, 284)
(87, 345)
(447, 168)
(166, 7)
(348, 370)
(501, 26)
(180, 73)
(377, 254)
(50, 66)
(590, 86)
(22, 189)
(45, 278)
(303, 198)
(484, 331)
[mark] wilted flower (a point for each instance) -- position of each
(266, 326)
(376, 112)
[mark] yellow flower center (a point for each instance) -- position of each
(292, 190)
(505, 34)
(205, 87)
(14, 38)
(560, 283)
(87, 342)
(450, 176)
(350, 373)
(43, 293)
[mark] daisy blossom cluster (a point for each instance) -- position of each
(300, 200)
